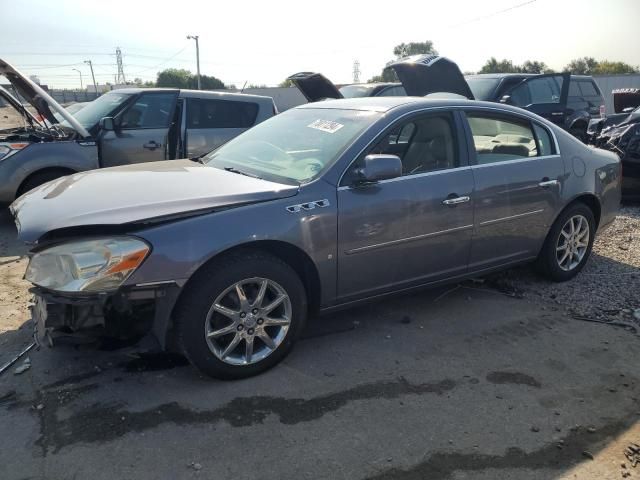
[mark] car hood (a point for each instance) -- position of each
(315, 86)
(423, 75)
(137, 193)
(44, 104)
(11, 100)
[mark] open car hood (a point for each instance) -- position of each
(422, 75)
(625, 98)
(38, 98)
(315, 86)
(133, 194)
(13, 101)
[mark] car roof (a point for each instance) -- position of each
(195, 93)
(523, 75)
(385, 104)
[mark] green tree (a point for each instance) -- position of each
(208, 82)
(534, 66)
(582, 66)
(414, 48)
(499, 66)
(608, 67)
(174, 78)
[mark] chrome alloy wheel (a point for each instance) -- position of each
(248, 321)
(573, 242)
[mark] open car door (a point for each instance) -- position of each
(545, 95)
(315, 86)
(423, 75)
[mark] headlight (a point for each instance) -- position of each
(89, 266)
(8, 149)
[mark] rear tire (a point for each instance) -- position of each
(40, 178)
(206, 334)
(568, 243)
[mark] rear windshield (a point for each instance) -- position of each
(293, 147)
(482, 88)
(356, 91)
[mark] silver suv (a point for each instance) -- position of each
(132, 125)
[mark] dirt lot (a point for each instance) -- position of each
(498, 378)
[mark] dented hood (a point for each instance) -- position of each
(136, 193)
(315, 86)
(44, 104)
(422, 75)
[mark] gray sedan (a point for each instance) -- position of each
(321, 207)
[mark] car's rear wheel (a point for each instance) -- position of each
(240, 316)
(40, 178)
(569, 243)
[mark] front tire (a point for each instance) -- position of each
(241, 315)
(568, 244)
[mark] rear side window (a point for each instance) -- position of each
(588, 88)
(574, 89)
(544, 140)
(501, 139)
(205, 113)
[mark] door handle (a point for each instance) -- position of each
(557, 114)
(548, 183)
(455, 201)
(152, 145)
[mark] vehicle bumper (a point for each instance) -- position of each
(128, 313)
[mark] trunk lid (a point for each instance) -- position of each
(422, 75)
(44, 104)
(136, 193)
(315, 86)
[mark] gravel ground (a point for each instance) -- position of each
(606, 289)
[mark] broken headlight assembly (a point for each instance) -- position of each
(98, 265)
(8, 149)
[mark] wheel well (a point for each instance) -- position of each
(580, 123)
(293, 256)
(592, 202)
(61, 170)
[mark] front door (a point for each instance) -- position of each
(142, 131)
(545, 95)
(518, 177)
(412, 229)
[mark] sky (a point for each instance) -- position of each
(263, 42)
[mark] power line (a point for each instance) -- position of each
(493, 14)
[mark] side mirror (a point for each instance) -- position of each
(379, 167)
(506, 99)
(107, 124)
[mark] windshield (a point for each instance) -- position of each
(292, 147)
(356, 91)
(101, 107)
(482, 88)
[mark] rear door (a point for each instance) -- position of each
(518, 175)
(412, 229)
(545, 95)
(142, 130)
(210, 122)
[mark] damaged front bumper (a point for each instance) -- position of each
(129, 313)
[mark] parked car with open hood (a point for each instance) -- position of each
(620, 133)
(124, 126)
(318, 208)
(570, 101)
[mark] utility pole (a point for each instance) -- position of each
(356, 71)
(81, 87)
(196, 37)
(121, 79)
(95, 85)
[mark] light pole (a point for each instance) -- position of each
(95, 85)
(81, 87)
(196, 37)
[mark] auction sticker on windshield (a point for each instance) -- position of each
(326, 126)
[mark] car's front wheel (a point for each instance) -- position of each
(241, 315)
(568, 244)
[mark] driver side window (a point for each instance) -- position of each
(151, 110)
(538, 90)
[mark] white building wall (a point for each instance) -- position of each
(607, 83)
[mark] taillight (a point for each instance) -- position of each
(602, 111)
